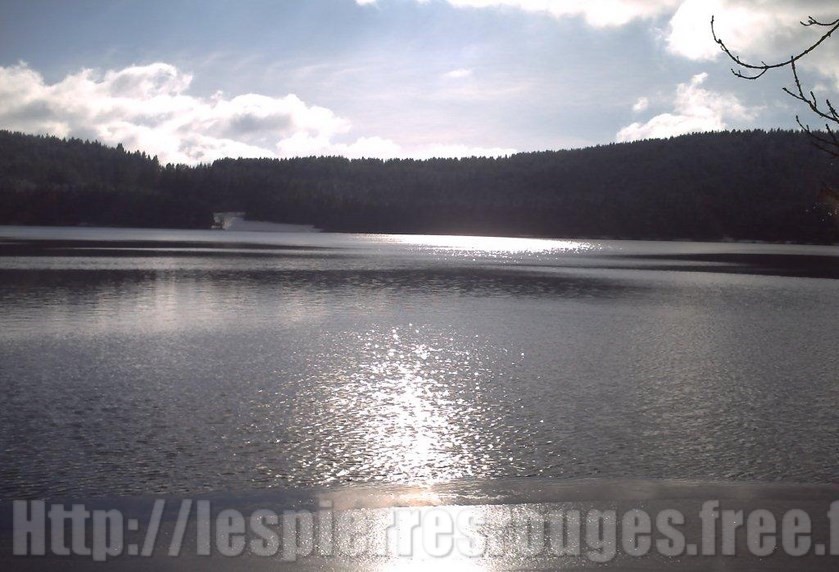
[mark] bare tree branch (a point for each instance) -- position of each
(827, 140)
(763, 67)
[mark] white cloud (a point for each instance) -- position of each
(758, 31)
(148, 108)
(641, 105)
(598, 13)
(458, 74)
(767, 30)
(695, 109)
(451, 151)
(746, 26)
(747, 23)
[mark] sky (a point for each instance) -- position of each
(193, 81)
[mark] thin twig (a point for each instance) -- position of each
(763, 67)
(828, 140)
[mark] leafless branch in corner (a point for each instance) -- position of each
(824, 109)
(827, 140)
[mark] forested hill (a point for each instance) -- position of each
(734, 185)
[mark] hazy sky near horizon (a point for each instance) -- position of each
(195, 80)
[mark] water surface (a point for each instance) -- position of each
(144, 362)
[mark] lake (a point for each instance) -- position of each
(176, 362)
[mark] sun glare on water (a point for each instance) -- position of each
(493, 244)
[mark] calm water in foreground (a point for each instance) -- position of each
(139, 362)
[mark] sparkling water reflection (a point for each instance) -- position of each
(411, 360)
(488, 245)
(403, 407)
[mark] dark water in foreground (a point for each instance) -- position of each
(182, 361)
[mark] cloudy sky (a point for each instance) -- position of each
(195, 80)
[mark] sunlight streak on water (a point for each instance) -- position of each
(414, 417)
(495, 244)
(422, 561)
(402, 408)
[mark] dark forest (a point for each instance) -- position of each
(743, 185)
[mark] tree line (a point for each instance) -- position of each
(738, 185)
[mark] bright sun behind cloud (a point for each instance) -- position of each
(148, 108)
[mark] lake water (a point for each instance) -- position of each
(145, 362)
